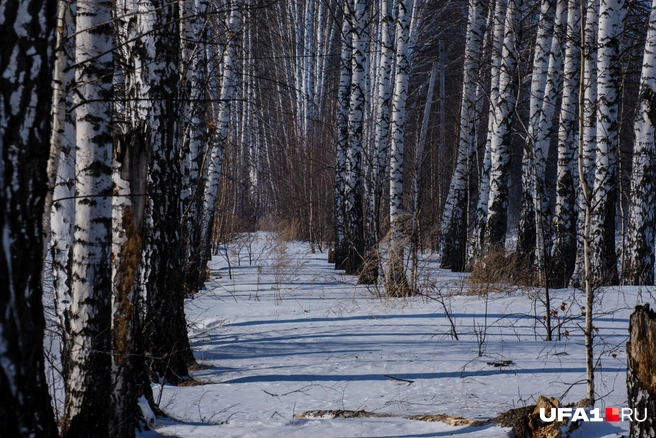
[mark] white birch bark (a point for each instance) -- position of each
(453, 229)
(60, 208)
(343, 100)
(194, 127)
(496, 225)
(603, 257)
(589, 123)
(89, 361)
(539, 75)
(353, 181)
(563, 255)
(541, 204)
(228, 85)
(396, 281)
(382, 110)
(639, 260)
(476, 248)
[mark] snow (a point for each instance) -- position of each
(290, 334)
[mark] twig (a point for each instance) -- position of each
(409, 382)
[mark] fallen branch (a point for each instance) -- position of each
(523, 421)
(409, 382)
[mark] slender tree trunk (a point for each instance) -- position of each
(541, 204)
(639, 262)
(380, 141)
(26, 63)
(396, 281)
(88, 379)
(453, 229)
(353, 184)
(60, 200)
(588, 131)
(228, 86)
(478, 235)
(194, 132)
(496, 226)
(604, 258)
(586, 199)
(419, 159)
(541, 59)
(564, 251)
(343, 100)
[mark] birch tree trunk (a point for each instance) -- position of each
(165, 326)
(453, 229)
(416, 189)
(194, 132)
(541, 58)
(588, 131)
(88, 379)
(343, 100)
(228, 86)
(603, 257)
(496, 225)
(353, 184)
(563, 256)
(26, 64)
(639, 262)
(478, 236)
(541, 204)
(380, 140)
(130, 169)
(60, 201)
(396, 281)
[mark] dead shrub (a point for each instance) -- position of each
(497, 271)
(287, 230)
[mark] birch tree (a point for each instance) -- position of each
(496, 224)
(541, 204)
(59, 215)
(478, 235)
(588, 131)
(539, 76)
(89, 362)
(353, 184)
(228, 85)
(603, 257)
(638, 266)
(564, 251)
(26, 63)
(396, 281)
(343, 100)
(194, 130)
(453, 229)
(381, 137)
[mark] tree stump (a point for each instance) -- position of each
(641, 370)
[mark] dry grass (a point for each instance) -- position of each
(498, 272)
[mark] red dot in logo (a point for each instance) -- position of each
(612, 414)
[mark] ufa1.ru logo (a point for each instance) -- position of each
(576, 414)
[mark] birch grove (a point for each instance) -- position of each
(142, 138)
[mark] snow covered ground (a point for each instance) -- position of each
(287, 333)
